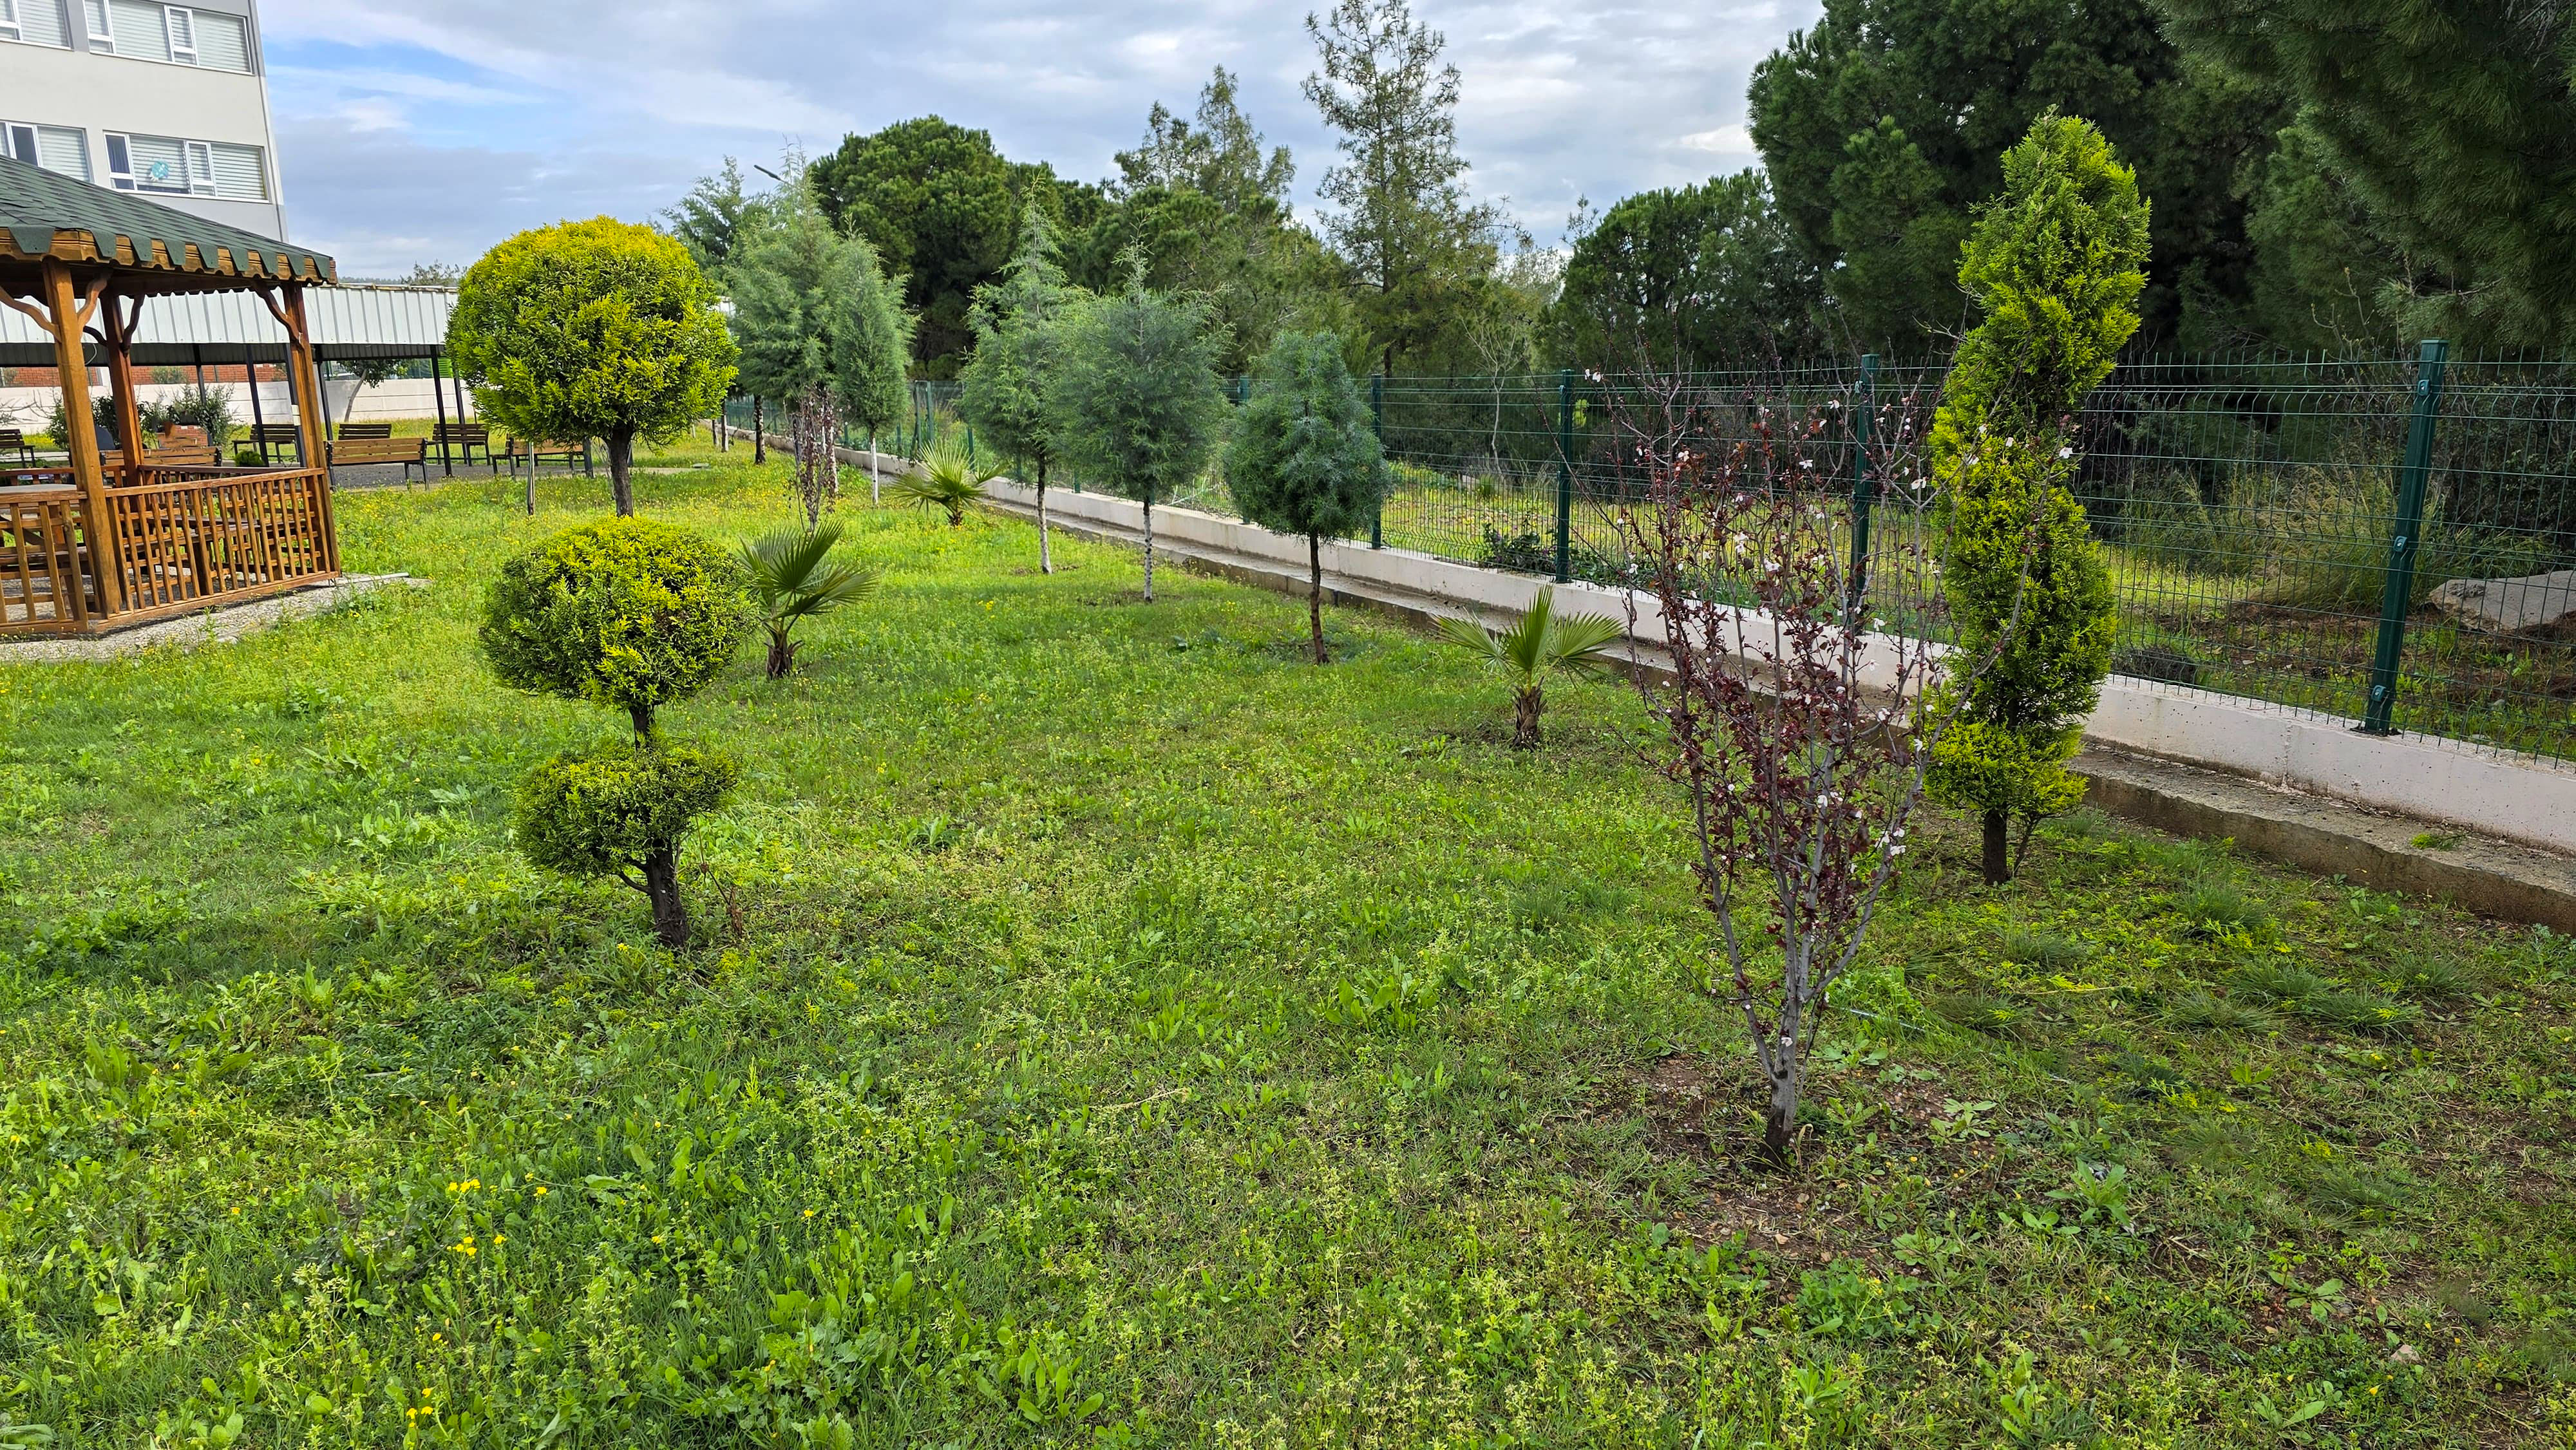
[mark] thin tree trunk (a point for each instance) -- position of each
(642, 717)
(662, 885)
(621, 459)
(1998, 858)
(782, 654)
(1046, 561)
(876, 472)
(759, 443)
(1315, 593)
(1526, 705)
(1780, 1119)
(1149, 549)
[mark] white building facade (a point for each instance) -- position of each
(169, 102)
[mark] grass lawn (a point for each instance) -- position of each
(1110, 1030)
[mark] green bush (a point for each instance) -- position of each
(620, 811)
(627, 613)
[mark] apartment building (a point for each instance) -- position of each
(165, 101)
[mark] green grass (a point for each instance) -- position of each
(1110, 1030)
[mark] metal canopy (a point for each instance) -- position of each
(349, 324)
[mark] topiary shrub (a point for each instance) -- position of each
(631, 615)
(620, 811)
(628, 613)
(2056, 264)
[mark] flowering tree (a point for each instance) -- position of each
(1792, 721)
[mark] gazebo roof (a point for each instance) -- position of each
(44, 214)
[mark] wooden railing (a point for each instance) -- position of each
(45, 583)
(183, 539)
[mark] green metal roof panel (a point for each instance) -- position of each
(36, 204)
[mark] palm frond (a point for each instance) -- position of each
(793, 578)
(1541, 640)
(1469, 634)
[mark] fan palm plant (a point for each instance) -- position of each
(948, 481)
(794, 578)
(1542, 642)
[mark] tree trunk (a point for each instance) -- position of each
(1526, 705)
(621, 458)
(662, 885)
(1315, 594)
(782, 654)
(1998, 857)
(1780, 1118)
(1149, 549)
(876, 473)
(759, 444)
(642, 716)
(1046, 561)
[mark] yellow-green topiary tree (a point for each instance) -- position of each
(2055, 264)
(597, 329)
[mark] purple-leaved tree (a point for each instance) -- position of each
(1793, 709)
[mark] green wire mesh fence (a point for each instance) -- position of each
(2386, 539)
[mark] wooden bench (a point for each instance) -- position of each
(267, 436)
(411, 453)
(537, 451)
(366, 430)
(465, 438)
(176, 455)
(13, 440)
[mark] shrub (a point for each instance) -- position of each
(627, 613)
(630, 615)
(620, 811)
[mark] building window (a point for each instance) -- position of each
(176, 34)
(171, 166)
(33, 22)
(101, 37)
(63, 149)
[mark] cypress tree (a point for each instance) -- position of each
(2055, 264)
(1305, 458)
(1004, 385)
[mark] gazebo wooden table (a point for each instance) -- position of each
(98, 543)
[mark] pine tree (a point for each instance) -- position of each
(1304, 458)
(2055, 263)
(1133, 400)
(1406, 229)
(1005, 383)
(2453, 124)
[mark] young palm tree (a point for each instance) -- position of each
(1543, 641)
(793, 578)
(949, 481)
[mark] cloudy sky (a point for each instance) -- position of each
(425, 130)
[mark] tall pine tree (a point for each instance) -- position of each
(1005, 384)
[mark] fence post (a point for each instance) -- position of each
(1377, 425)
(1864, 489)
(2404, 540)
(1564, 475)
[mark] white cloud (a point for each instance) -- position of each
(509, 112)
(1734, 140)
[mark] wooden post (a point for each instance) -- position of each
(120, 383)
(104, 564)
(309, 417)
(438, 395)
(258, 424)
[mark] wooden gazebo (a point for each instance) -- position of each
(110, 538)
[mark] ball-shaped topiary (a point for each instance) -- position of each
(626, 613)
(620, 811)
